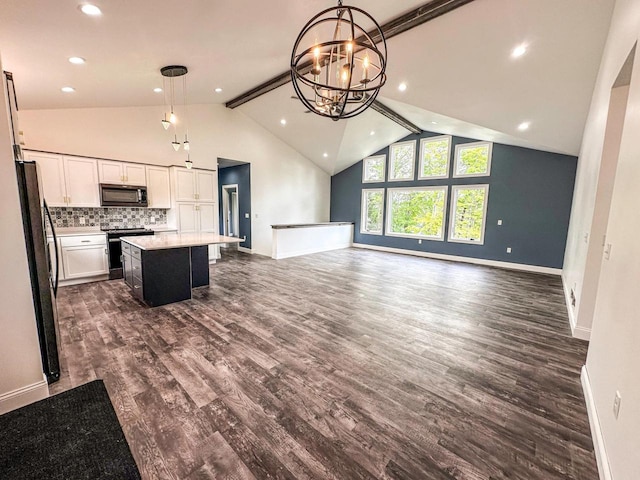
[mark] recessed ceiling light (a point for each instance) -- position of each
(218, 90)
(524, 126)
(89, 9)
(519, 51)
(157, 90)
(372, 132)
(325, 154)
(77, 60)
(283, 122)
(402, 87)
(68, 89)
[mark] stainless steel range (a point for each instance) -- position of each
(115, 247)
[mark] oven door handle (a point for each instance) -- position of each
(114, 240)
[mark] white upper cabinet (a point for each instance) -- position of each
(134, 174)
(51, 177)
(81, 180)
(195, 185)
(121, 173)
(207, 186)
(158, 187)
(67, 181)
(185, 185)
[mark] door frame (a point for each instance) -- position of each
(225, 207)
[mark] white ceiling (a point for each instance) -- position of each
(457, 67)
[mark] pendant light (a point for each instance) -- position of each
(188, 163)
(171, 72)
(175, 143)
(337, 69)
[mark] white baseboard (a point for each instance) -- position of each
(577, 331)
(78, 281)
(245, 250)
(455, 258)
(596, 433)
(309, 251)
(24, 396)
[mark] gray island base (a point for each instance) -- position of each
(163, 269)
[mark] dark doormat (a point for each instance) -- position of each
(72, 435)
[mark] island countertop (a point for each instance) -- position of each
(163, 242)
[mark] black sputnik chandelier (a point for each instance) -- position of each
(337, 66)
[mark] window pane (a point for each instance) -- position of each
(372, 201)
(417, 212)
(435, 158)
(402, 159)
(473, 160)
(468, 214)
(374, 169)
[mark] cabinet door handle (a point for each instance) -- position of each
(85, 241)
(136, 286)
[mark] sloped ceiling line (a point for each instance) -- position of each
(398, 25)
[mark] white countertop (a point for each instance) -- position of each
(74, 231)
(162, 242)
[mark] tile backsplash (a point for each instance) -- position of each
(112, 217)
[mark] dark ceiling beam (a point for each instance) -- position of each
(398, 25)
(396, 117)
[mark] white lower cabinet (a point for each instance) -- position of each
(83, 256)
(80, 262)
(198, 217)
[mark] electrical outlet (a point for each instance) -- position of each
(508, 249)
(247, 215)
(499, 222)
(586, 238)
(607, 252)
(81, 220)
(616, 404)
(152, 220)
(573, 298)
(255, 215)
(420, 242)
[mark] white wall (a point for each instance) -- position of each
(285, 186)
(614, 353)
(20, 364)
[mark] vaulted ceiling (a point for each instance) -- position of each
(460, 75)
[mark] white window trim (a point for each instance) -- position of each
(384, 168)
(473, 144)
(423, 142)
(413, 163)
(388, 231)
(452, 217)
(363, 211)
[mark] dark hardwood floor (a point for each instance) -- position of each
(350, 364)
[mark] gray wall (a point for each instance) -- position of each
(241, 175)
(529, 190)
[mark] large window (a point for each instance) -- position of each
(372, 208)
(473, 159)
(468, 212)
(373, 169)
(416, 212)
(402, 161)
(434, 157)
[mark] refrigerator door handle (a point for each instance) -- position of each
(55, 247)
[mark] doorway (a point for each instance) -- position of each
(230, 211)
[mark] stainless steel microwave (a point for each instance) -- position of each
(123, 196)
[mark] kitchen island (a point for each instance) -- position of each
(164, 269)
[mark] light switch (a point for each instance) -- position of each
(508, 249)
(247, 215)
(499, 222)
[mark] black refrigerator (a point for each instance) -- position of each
(39, 233)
